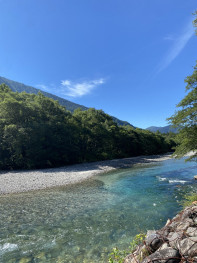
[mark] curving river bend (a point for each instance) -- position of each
(83, 222)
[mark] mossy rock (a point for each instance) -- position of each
(41, 256)
(25, 260)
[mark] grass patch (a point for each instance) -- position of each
(189, 199)
(117, 255)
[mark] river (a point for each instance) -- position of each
(83, 222)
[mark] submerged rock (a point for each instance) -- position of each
(25, 260)
(175, 242)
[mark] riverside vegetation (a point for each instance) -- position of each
(37, 132)
(185, 119)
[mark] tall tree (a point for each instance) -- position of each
(186, 117)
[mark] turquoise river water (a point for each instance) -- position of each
(83, 222)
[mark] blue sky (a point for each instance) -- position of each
(127, 57)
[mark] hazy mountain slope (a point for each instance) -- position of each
(71, 106)
(164, 129)
(20, 87)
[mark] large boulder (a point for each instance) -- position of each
(154, 240)
(168, 255)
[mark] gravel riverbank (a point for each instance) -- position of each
(23, 181)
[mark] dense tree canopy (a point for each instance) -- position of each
(186, 117)
(36, 132)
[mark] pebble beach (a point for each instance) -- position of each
(23, 181)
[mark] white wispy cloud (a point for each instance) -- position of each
(78, 89)
(72, 88)
(178, 45)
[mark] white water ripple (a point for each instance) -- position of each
(177, 181)
(162, 178)
(7, 247)
(171, 181)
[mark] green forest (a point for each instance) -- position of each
(37, 132)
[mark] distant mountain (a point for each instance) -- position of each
(164, 129)
(16, 86)
(71, 106)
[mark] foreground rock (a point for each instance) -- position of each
(175, 242)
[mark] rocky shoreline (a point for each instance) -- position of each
(175, 242)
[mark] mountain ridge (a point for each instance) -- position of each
(69, 105)
(164, 129)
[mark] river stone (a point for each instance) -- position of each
(174, 239)
(174, 224)
(164, 246)
(151, 234)
(153, 240)
(41, 256)
(164, 232)
(192, 213)
(168, 255)
(25, 260)
(186, 214)
(192, 232)
(188, 247)
(184, 225)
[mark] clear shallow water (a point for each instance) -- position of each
(81, 223)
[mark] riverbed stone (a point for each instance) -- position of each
(153, 240)
(164, 246)
(184, 225)
(192, 232)
(174, 239)
(41, 256)
(169, 255)
(25, 260)
(166, 231)
(188, 247)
